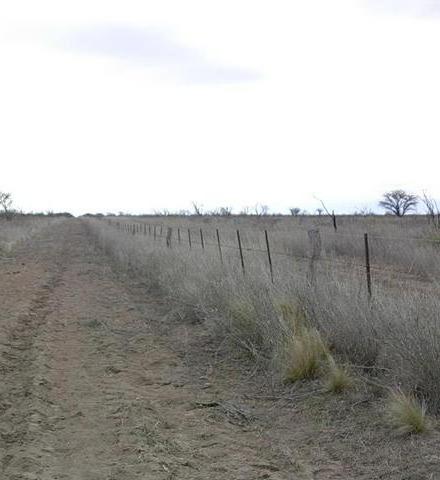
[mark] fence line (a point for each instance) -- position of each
(366, 267)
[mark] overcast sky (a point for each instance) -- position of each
(142, 105)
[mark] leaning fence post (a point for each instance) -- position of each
(367, 264)
(201, 239)
(335, 225)
(268, 255)
(241, 251)
(189, 239)
(219, 245)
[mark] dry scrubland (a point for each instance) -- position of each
(20, 228)
(295, 329)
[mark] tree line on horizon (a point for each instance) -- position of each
(394, 202)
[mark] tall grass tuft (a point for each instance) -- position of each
(305, 353)
(406, 414)
(338, 378)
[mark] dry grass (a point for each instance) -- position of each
(288, 323)
(20, 228)
(338, 377)
(406, 414)
(304, 355)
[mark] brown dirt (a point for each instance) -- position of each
(101, 381)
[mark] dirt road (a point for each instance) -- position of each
(99, 381)
(90, 390)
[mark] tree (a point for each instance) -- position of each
(295, 211)
(5, 203)
(261, 210)
(432, 210)
(398, 202)
(198, 209)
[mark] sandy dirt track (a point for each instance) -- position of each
(90, 391)
(99, 380)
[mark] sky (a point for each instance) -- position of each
(140, 106)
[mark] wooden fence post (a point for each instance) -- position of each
(367, 264)
(335, 225)
(154, 232)
(268, 255)
(169, 233)
(178, 235)
(241, 251)
(189, 239)
(201, 239)
(219, 245)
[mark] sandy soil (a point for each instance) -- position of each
(100, 380)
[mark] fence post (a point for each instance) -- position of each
(241, 251)
(268, 255)
(189, 238)
(335, 225)
(145, 228)
(149, 229)
(154, 232)
(367, 264)
(169, 233)
(133, 229)
(178, 235)
(219, 245)
(201, 239)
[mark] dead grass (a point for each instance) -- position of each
(338, 377)
(289, 325)
(406, 414)
(305, 354)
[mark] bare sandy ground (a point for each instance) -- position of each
(100, 381)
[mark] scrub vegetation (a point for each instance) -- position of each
(297, 328)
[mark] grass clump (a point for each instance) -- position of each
(338, 377)
(406, 414)
(305, 354)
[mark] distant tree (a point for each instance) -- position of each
(198, 209)
(261, 210)
(295, 211)
(363, 212)
(225, 211)
(432, 210)
(6, 203)
(398, 202)
(319, 211)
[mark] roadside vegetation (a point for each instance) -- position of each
(297, 329)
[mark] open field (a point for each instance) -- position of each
(121, 358)
(21, 227)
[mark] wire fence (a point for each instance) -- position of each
(192, 238)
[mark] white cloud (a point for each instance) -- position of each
(146, 47)
(428, 8)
